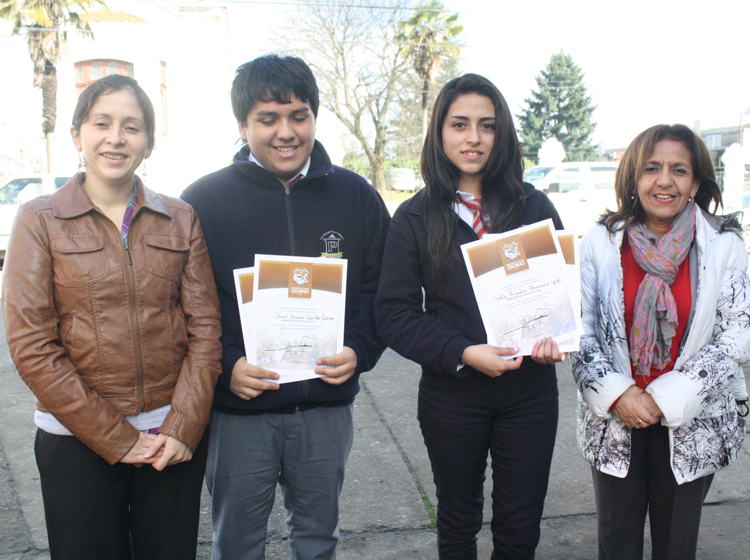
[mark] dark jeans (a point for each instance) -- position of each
(95, 510)
(514, 418)
(674, 509)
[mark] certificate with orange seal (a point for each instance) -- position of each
(294, 312)
(522, 288)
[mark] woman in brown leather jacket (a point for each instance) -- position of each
(112, 319)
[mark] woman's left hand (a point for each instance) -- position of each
(545, 351)
(650, 404)
(632, 411)
(172, 451)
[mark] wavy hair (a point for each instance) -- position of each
(629, 209)
(502, 181)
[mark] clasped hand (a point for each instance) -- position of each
(159, 451)
(637, 408)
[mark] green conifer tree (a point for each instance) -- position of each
(560, 109)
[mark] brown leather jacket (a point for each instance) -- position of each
(98, 331)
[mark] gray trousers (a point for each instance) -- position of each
(304, 452)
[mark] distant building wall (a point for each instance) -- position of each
(719, 139)
(181, 58)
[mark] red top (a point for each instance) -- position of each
(633, 275)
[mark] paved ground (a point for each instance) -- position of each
(388, 498)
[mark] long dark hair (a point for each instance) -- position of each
(502, 182)
(629, 210)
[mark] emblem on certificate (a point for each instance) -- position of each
(527, 286)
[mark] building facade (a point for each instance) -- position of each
(179, 52)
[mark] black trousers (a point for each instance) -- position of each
(674, 509)
(514, 419)
(96, 511)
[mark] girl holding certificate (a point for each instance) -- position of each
(473, 401)
(112, 320)
(665, 308)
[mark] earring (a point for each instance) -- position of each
(690, 199)
(632, 197)
(142, 168)
(81, 163)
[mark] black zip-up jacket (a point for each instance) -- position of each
(436, 335)
(244, 209)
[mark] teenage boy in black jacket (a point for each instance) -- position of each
(282, 196)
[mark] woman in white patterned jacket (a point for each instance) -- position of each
(666, 314)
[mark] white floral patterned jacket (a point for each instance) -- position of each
(698, 398)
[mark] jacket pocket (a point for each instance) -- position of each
(167, 255)
(79, 260)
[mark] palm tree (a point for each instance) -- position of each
(44, 21)
(428, 37)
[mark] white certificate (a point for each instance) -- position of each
(570, 246)
(294, 313)
(520, 285)
(244, 279)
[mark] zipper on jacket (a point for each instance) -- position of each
(134, 315)
(290, 226)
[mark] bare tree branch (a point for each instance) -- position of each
(359, 66)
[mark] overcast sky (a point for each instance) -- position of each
(645, 61)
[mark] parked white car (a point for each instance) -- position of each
(534, 175)
(402, 179)
(580, 191)
(19, 190)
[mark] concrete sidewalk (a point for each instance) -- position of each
(389, 497)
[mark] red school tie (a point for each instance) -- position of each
(474, 206)
(297, 178)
